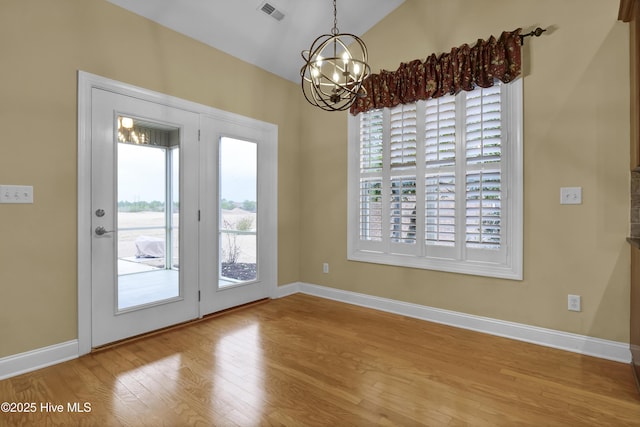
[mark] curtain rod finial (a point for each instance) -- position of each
(537, 32)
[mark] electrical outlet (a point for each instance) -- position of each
(325, 268)
(574, 303)
(571, 195)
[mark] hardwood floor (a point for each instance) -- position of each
(305, 361)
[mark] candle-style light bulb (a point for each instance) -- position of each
(345, 57)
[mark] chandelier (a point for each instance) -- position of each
(335, 67)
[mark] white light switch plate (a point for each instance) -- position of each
(571, 195)
(16, 194)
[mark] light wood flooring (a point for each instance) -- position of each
(305, 361)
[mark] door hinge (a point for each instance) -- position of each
(198, 135)
(198, 296)
(198, 215)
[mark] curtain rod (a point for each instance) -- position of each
(537, 32)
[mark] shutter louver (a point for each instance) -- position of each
(402, 143)
(371, 210)
(440, 227)
(483, 126)
(403, 210)
(483, 210)
(440, 159)
(371, 142)
(402, 161)
(440, 136)
(371, 162)
(483, 150)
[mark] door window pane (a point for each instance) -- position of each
(238, 212)
(147, 226)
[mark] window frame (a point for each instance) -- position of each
(510, 266)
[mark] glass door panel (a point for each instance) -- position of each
(238, 209)
(147, 226)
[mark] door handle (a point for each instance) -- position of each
(100, 231)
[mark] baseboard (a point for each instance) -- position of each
(17, 364)
(286, 290)
(582, 344)
(612, 350)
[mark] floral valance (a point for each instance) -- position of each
(461, 69)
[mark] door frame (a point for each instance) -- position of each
(268, 160)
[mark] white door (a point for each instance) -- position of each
(238, 228)
(144, 207)
(177, 210)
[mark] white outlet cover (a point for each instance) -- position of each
(574, 303)
(571, 195)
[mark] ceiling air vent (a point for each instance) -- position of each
(271, 11)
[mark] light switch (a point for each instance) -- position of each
(16, 194)
(571, 195)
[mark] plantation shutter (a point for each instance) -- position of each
(440, 171)
(430, 179)
(371, 164)
(402, 166)
(483, 180)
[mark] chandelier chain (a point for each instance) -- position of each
(335, 30)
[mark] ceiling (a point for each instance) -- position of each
(241, 29)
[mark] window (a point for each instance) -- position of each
(438, 184)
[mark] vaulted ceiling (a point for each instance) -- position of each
(243, 29)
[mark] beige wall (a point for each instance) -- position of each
(42, 45)
(576, 134)
(576, 115)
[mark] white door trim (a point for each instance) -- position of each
(86, 82)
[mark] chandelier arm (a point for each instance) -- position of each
(331, 83)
